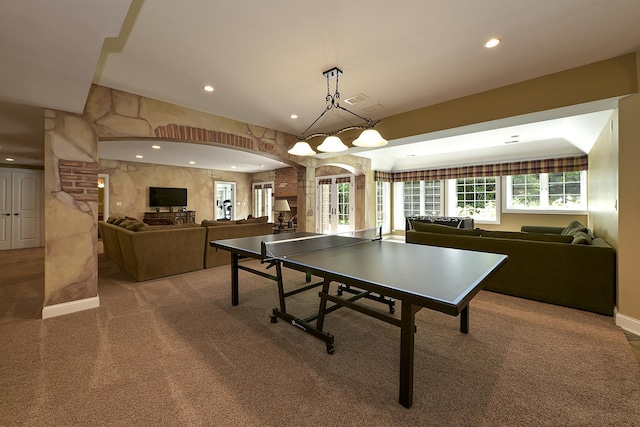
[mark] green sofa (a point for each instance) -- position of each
(150, 252)
(563, 266)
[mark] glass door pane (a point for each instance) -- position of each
(344, 207)
(326, 208)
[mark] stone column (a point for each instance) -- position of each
(70, 214)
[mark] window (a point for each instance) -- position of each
(382, 203)
(416, 198)
(344, 214)
(476, 197)
(422, 198)
(556, 191)
(412, 198)
(432, 197)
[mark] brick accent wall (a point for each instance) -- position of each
(79, 179)
(189, 133)
(286, 182)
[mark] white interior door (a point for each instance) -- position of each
(25, 228)
(5, 210)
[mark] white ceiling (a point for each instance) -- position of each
(265, 61)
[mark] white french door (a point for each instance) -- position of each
(335, 204)
(263, 200)
(20, 209)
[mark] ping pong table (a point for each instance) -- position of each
(418, 276)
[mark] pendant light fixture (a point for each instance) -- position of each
(332, 143)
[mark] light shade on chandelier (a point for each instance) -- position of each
(332, 143)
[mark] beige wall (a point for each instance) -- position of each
(629, 207)
(129, 184)
(603, 183)
(601, 80)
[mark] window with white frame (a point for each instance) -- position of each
(416, 198)
(477, 197)
(422, 197)
(554, 191)
(412, 195)
(383, 215)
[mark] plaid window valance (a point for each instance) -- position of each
(343, 179)
(324, 181)
(564, 164)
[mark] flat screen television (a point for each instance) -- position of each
(164, 196)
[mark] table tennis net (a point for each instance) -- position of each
(300, 245)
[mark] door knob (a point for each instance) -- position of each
(16, 214)
(8, 214)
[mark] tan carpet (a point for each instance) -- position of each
(174, 351)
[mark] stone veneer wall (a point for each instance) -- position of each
(71, 222)
(129, 184)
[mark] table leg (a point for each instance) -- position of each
(464, 320)
(283, 307)
(323, 304)
(235, 300)
(407, 331)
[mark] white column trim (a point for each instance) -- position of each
(70, 307)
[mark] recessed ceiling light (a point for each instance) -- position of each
(138, 156)
(192, 162)
(155, 147)
(208, 88)
(294, 116)
(492, 43)
(10, 159)
(261, 166)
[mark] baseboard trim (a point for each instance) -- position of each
(627, 323)
(70, 307)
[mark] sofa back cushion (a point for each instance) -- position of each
(214, 223)
(538, 237)
(259, 220)
(444, 229)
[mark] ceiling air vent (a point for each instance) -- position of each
(357, 98)
(372, 108)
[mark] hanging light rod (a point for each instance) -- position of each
(332, 143)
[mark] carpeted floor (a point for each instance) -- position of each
(174, 351)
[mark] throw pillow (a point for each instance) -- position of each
(111, 219)
(444, 229)
(118, 220)
(126, 222)
(573, 228)
(581, 238)
(136, 226)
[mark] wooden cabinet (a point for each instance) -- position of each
(180, 217)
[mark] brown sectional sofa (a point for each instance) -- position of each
(149, 252)
(563, 266)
